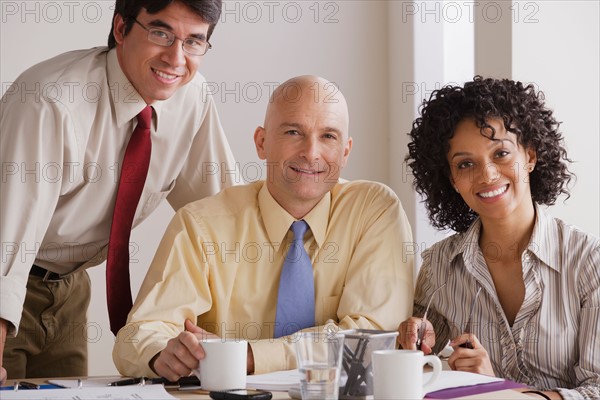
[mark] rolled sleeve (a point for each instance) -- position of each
(33, 136)
(273, 355)
(12, 297)
(159, 315)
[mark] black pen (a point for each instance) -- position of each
(191, 380)
(126, 382)
(27, 385)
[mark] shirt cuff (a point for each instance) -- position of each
(130, 355)
(147, 356)
(12, 298)
(570, 394)
(273, 355)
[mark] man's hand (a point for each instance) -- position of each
(2, 341)
(474, 360)
(408, 332)
(250, 361)
(182, 353)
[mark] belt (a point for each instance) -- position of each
(45, 274)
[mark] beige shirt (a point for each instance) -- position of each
(64, 128)
(220, 261)
(554, 342)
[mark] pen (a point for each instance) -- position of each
(191, 380)
(28, 385)
(125, 382)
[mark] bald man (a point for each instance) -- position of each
(218, 269)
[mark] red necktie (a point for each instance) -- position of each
(133, 175)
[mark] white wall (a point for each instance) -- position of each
(256, 45)
(374, 52)
(556, 46)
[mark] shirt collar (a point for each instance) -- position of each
(318, 219)
(542, 243)
(127, 101)
(468, 244)
(545, 227)
(278, 221)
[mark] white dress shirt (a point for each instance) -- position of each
(64, 127)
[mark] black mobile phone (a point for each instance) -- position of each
(241, 394)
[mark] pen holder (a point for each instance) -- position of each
(356, 378)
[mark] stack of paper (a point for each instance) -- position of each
(279, 381)
(454, 384)
(450, 384)
(453, 379)
(154, 392)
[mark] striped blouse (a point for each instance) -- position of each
(554, 342)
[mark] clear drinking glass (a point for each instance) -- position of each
(319, 356)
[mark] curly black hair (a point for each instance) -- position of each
(523, 113)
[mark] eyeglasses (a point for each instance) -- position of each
(423, 327)
(469, 324)
(193, 46)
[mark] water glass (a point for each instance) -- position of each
(319, 356)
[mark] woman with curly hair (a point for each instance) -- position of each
(519, 290)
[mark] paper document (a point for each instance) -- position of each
(453, 379)
(277, 381)
(283, 380)
(88, 382)
(499, 395)
(136, 392)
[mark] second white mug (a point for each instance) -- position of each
(398, 374)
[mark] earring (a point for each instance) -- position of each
(530, 167)
(455, 188)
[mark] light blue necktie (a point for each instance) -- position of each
(296, 297)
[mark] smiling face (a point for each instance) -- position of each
(305, 142)
(155, 71)
(492, 176)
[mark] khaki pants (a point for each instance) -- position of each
(52, 334)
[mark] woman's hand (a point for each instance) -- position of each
(408, 332)
(474, 360)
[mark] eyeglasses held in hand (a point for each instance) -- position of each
(468, 325)
(190, 45)
(423, 327)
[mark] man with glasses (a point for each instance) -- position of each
(72, 177)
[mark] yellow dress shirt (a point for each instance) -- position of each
(220, 260)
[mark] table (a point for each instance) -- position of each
(500, 395)
(203, 395)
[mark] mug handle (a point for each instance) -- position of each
(435, 362)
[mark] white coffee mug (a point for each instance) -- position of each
(398, 374)
(224, 364)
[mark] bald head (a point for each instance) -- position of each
(304, 141)
(309, 89)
